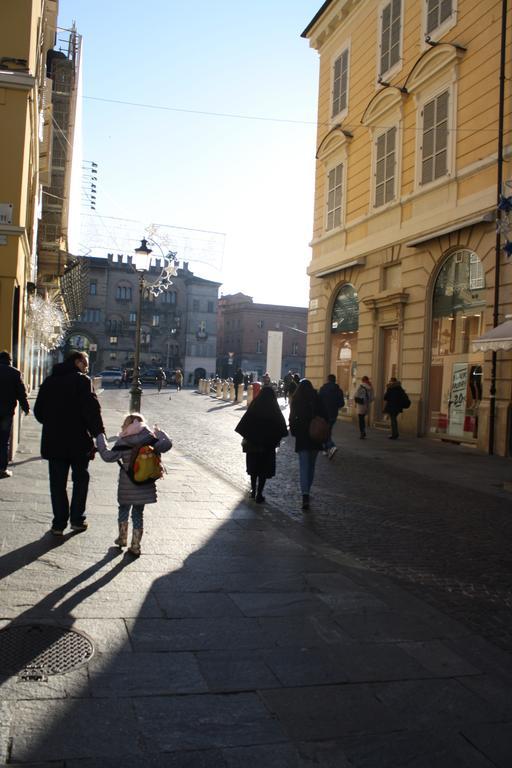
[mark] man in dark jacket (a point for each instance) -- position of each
(12, 391)
(332, 398)
(395, 400)
(70, 413)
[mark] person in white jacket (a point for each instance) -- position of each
(363, 396)
(134, 433)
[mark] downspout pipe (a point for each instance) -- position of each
(499, 184)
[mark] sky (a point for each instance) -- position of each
(201, 117)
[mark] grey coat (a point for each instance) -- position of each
(128, 492)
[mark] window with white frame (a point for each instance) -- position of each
(390, 35)
(385, 167)
(132, 318)
(334, 196)
(124, 293)
(434, 146)
(340, 84)
(438, 13)
(155, 320)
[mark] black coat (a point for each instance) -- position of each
(332, 397)
(394, 397)
(301, 415)
(12, 391)
(70, 413)
(262, 426)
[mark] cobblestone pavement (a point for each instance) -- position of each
(432, 516)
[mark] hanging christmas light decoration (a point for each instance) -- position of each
(45, 323)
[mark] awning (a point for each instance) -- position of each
(495, 339)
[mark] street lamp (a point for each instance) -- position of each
(162, 283)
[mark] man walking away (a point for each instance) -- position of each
(238, 381)
(70, 413)
(160, 378)
(12, 391)
(332, 398)
(395, 400)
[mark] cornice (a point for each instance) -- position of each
(329, 22)
(20, 81)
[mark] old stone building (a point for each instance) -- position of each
(407, 269)
(178, 327)
(243, 328)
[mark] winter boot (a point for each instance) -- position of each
(122, 539)
(134, 547)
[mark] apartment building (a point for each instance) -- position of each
(406, 269)
(243, 335)
(178, 327)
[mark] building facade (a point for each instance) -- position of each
(406, 269)
(243, 328)
(178, 327)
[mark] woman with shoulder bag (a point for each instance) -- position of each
(395, 400)
(305, 407)
(363, 396)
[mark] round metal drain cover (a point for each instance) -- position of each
(42, 649)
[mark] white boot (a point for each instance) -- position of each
(122, 539)
(134, 547)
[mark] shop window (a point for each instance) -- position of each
(455, 387)
(345, 312)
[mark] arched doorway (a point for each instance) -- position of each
(458, 306)
(344, 333)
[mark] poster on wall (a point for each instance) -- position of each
(458, 398)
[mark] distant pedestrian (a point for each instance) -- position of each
(178, 377)
(238, 381)
(286, 384)
(70, 413)
(395, 401)
(134, 433)
(266, 380)
(262, 427)
(160, 379)
(332, 398)
(305, 405)
(12, 391)
(292, 386)
(124, 379)
(363, 397)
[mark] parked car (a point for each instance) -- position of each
(149, 376)
(110, 377)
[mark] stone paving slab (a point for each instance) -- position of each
(239, 638)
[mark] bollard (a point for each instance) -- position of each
(218, 389)
(249, 394)
(200, 386)
(232, 392)
(225, 390)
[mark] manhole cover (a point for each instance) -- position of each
(33, 650)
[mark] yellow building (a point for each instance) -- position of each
(404, 248)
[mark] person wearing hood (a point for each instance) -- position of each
(70, 413)
(363, 397)
(395, 400)
(12, 391)
(134, 434)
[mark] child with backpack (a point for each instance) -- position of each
(137, 451)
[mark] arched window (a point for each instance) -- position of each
(458, 305)
(345, 312)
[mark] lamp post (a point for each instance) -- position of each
(136, 390)
(162, 283)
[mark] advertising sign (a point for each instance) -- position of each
(458, 398)
(274, 354)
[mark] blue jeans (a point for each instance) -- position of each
(307, 461)
(5, 434)
(137, 516)
(62, 509)
(329, 443)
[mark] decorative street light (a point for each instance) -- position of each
(156, 287)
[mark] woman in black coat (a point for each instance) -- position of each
(262, 426)
(305, 405)
(395, 400)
